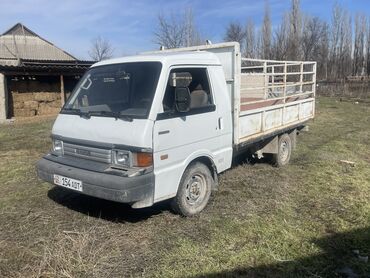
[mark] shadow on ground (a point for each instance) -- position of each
(118, 212)
(339, 258)
(249, 158)
(107, 210)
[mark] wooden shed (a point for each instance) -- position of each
(35, 75)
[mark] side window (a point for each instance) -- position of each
(196, 80)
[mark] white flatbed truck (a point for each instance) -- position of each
(162, 125)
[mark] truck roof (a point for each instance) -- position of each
(168, 58)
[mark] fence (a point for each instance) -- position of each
(359, 90)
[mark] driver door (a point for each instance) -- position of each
(177, 137)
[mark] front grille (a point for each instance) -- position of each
(96, 154)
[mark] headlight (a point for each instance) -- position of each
(132, 159)
(122, 158)
(57, 147)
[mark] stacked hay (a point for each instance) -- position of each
(40, 103)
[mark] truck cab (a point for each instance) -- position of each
(133, 125)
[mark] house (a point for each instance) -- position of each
(36, 76)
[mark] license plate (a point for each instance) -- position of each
(68, 182)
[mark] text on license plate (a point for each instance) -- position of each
(68, 182)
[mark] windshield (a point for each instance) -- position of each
(116, 90)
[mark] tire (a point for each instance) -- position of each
(194, 190)
(284, 151)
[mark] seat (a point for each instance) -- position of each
(198, 98)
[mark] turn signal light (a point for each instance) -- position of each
(143, 159)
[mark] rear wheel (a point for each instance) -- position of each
(194, 190)
(282, 157)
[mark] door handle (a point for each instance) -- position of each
(163, 132)
(220, 123)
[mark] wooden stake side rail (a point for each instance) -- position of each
(266, 81)
(274, 95)
(279, 73)
(276, 61)
(276, 98)
(280, 85)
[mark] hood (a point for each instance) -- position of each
(137, 133)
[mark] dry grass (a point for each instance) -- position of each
(74, 253)
(301, 220)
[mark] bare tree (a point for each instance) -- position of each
(313, 33)
(170, 32)
(250, 45)
(266, 33)
(177, 31)
(323, 53)
(346, 53)
(368, 48)
(235, 33)
(359, 46)
(341, 43)
(192, 34)
(281, 40)
(100, 49)
(295, 31)
(315, 43)
(297, 37)
(335, 38)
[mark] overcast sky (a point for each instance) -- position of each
(129, 25)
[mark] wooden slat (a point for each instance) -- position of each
(277, 98)
(62, 93)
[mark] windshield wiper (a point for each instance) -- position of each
(77, 112)
(116, 115)
(88, 114)
(71, 110)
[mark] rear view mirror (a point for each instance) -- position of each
(182, 99)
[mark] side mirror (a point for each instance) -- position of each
(182, 99)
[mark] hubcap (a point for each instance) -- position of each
(196, 189)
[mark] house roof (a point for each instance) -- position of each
(19, 46)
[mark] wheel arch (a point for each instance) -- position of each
(208, 161)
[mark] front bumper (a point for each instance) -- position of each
(137, 190)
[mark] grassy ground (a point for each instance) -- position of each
(302, 220)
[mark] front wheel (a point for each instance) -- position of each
(194, 190)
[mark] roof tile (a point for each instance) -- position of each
(15, 46)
